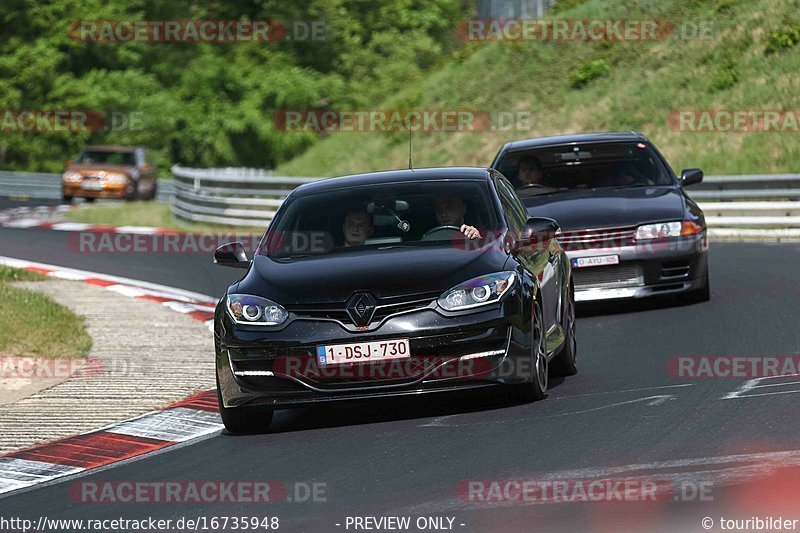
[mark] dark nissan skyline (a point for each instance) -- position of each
(629, 227)
(390, 284)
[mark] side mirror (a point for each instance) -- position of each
(537, 233)
(145, 167)
(68, 163)
(231, 254)
(690, 176)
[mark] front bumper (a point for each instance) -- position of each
(645, 269)
(109, 190)
(279, 369)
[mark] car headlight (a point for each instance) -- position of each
(667, 230)
(483, 290)
(256, 311)
(116, 177)
(662, 230)
(71, 177)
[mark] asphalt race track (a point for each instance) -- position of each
(406, 458)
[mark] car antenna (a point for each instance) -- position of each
(410, 164)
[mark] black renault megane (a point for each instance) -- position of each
(391, 284)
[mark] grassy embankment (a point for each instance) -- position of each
(32, 324)
(751, 61)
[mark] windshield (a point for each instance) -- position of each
(379, 216)
(90, 157)
(590, 166)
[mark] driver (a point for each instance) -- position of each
(357, 228)
(530, 171)
(450, 210)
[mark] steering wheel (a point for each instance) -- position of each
(436, 229)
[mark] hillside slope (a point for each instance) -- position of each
(750, 61)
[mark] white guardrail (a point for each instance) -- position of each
(744, 206)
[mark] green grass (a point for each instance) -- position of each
(751, 61)
(153, 214)
(8, 274)
(32, 324)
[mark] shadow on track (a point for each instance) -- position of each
(361, 412)
(616, 307)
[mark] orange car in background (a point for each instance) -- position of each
(120, 172)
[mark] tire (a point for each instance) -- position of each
(132, 194)
(536, 389)
(90, 200)
(698, 295)
(67, 199)
(241, 420)
(153, 192)
(565, 363)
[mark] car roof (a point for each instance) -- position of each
(389, 176)
(112, 148)
(578, 138)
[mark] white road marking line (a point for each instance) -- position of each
(744, 390)
(744, 468)
(72, 276)
(70, 226)
(180, 307)
(144, 230)
(622, 391)
(23, 223)
(651, 401)
(126, 290)
(178, 424)
(169, 292)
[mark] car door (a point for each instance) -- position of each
(542, 264)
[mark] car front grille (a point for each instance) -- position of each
(383, 309)
(622, 275)
(593, 239)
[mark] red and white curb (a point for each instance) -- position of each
(189, 419)
(196, 305)
(186, 420)
(51, 217)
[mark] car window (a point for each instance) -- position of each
(589, 166)
(515, 212)
(106, 158)
(421, 213)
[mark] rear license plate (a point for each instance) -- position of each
(363, 352)
(92, 185)
(598, 260)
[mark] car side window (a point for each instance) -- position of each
(515, 213)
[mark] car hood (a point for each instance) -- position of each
(608, 207)
(385, 273)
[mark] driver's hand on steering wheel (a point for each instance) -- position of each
(470, 232)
